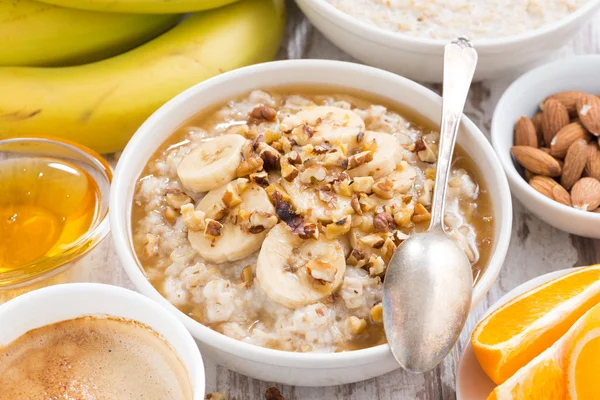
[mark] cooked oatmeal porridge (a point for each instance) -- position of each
(271, 218)
(442, 19)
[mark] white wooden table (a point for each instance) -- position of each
(536, 248)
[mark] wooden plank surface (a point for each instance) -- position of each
(536, 248)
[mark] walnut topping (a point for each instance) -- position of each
(314, 173)
(418, 145)
(362, 184)
(272, 135)
(270, 157)
(322, 148)
(288, 215)
(366, 203)
(170, 214)
(260, 220)
(355, 325)
(421, 214)
(217, 211)
(231, 197)
(403, 217)
(382, 222)
(374, 240)
(377, 313)
(193, 219)
(356, 205)
(294, 158)
(250, 164)
(359, 159)
(389, 247)
(309, 231)
(260, 178)
(428, 154)
(213, 228)
(376, 265)
(176, 198)
(277, 193)
(321, 271)
(384, 189)
(247, 276)
(356, 255)
(263, 112)
(288, 171)
(338, 228)
(273, 393)
(343, 187)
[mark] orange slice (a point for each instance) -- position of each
(523, 328)
(569, 369)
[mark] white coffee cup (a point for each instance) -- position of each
(63, 302)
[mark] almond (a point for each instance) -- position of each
(588, 109)
(586, 194)
(567, 99)
(574, 163)
(536, 160)
(525, 133)
(592, 166)
(551, 189)
(554, 118)
(565, 138)
(537, 122)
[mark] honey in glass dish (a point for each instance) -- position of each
(46, 204)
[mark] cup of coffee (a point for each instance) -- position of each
(88, 340)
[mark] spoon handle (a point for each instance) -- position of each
(460, 59)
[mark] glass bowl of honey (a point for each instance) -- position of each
(53, 208)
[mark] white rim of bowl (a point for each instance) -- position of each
(379, 35)
(507, 163)
(121, 234)
(110, 290)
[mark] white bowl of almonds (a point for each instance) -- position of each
(545, 130)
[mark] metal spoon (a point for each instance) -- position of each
(428, 283)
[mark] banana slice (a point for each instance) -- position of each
(333, 124)
(387, 155)
(295, 272)
(239, 236)
(211, 164)
(317, 206)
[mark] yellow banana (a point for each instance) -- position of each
(37, 34)
(141, 6)
(102, 104)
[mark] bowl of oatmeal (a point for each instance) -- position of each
(262, 207)
(408, 36)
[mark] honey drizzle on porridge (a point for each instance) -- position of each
(211, 123)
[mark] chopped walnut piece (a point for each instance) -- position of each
(312, 174)
(343, 187)
(251, 164)
(388, 249)
(356, 205)
(294, 158)
(277, 192)
(362, 184)
(270, 157)
(382, 222)
(376, 265)
(231, 198)
(272, 135)
(213, 228)
(364, 223)
(322, 148)
(260, 221)
(421, 214)
(217, 211)
(384, 188)
(427, 193)
(150, 245)
(428, 154)
(170, 214)
(216, 396)
(273, 393)
(377, 313)
(260, 178)
(247, 276)
(321, 271)
(288, 171)
(338, 228)
(176, 198)
(335, 159)
(356, 255)
(374, 240)
(309, 231)
(193, 219)
(359, 159)
(366, 203)
(355, 325)
(263, 112)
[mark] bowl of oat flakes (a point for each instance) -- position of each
(262, 207)
(408, 37)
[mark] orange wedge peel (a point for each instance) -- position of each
(569, 369)
(520, 330)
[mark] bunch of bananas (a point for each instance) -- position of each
(92, 71)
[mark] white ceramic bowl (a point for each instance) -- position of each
(421, 59)
(63, 302)
(306, 369)
(523, 98)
